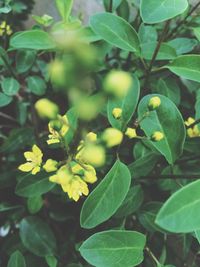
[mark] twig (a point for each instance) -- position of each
(157, 263)
(169, 176)
(180, 23)
(156, 53)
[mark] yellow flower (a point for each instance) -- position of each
(87, 172)
(154, 102)
(34, 160)
(131, 133)
(118, 83)
(57, 134)
(5, 29)
(46, 109)
(77, 188)
(73, 185)
(193, 131)
(117, 113)
(112, 137)
(157, 136)
(50, 165)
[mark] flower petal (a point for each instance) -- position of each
(26, 167)
(35, 170)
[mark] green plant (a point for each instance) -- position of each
(110, 175)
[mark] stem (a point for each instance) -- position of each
(180, 23)
(110, 6)
(156, 53)
(152, 256)
(9, 68)
(170, 176)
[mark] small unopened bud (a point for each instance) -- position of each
(157, 136)
(46, 108)
(117, 113)
(154, 102)
(112, 137)
(117, 83)
(131, 133)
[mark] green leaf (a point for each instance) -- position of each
(183, 45)
(7, 207)
(128, 105)
(33, 39)
(34, 185)
(16, 260)
(5, 100)
(24, 60)
(197, 32)
(36, 85)
(37, 236)
(153, 11)
(114, 249)
(144, 165)
(131, 203)
(64, 7)
(51, 261)
(187, 66)
(34, 204)
(169, 88)
(10, 86)
(166, 52)
(106, 198)
(148, 214)
(165, 119)
(181, 212)
(115, 31)
(147, 34)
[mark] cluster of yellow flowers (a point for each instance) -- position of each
(5, 29)
(74, 173)
(192, 131)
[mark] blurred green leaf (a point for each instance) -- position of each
(37, 236)
(10, 86)
(16, 260)
(34, 185)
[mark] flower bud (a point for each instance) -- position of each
(117, 113)
(112, 137)
(131, 133)
(154, 102)
(157, 136)
(91, 137)
(117, 83)
(94, 155)
(46, 108)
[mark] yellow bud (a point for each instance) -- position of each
(131, 133)
(118, 83)
(46, 108)
(154, 102)
(112, 137)
(157, 136)
(117, 113)
(94, 155)
(91, 137)
(192, 131)
(50, 165)
(57, 72)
